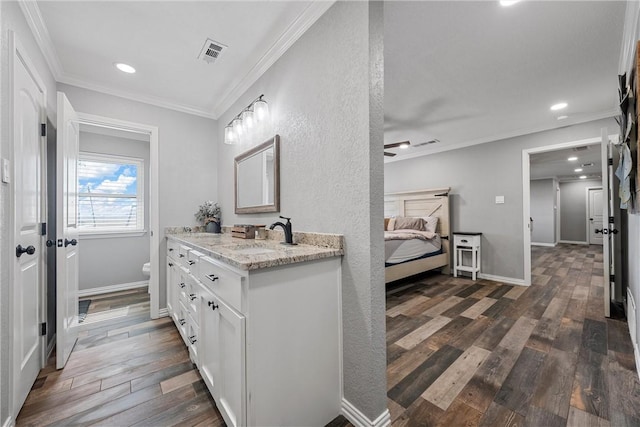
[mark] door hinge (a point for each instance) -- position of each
(611, 220)
(43, 328)
(43, 229)
(612, 278)
(610, 161)
(43, 129)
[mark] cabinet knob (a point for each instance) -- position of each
(181, 255)
(170, 249)
(170, 264)
(212, 277)
(212, 304)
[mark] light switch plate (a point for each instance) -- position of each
(499, 200)
(5, 171)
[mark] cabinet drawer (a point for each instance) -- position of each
(172, 249)
(462, 240)
(182, 318)
(193, 259)
(226, 284)
(183, 253)
(193, 332)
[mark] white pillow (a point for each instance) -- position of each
(391, 224)
(430, 223)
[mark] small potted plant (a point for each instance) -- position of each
(209, 214)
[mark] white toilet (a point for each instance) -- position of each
(146, 270)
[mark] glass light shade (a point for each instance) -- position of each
(229, 135)
(247, 120)
(261, 110)
(237, 127)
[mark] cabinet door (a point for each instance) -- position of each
(222, 357)
(171, 287)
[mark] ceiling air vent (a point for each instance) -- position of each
(211, 51)
(584, 165)
(420, 144)
(582, 148)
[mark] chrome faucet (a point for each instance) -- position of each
(288, 233)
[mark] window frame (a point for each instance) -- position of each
(103, 232)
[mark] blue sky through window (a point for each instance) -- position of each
(107, 178)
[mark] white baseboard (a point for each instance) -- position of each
(113, 288)
(502, 279)
(358, 419)
(163, 312)
(574, 242)
(548, 245)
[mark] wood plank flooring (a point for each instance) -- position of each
(464, 353)
(124, 371)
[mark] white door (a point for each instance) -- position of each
(67, 229)
(607, 211)
(28, 114)
(595, 201)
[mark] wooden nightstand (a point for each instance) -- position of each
(467, 242)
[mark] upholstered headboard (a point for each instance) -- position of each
(433, 202)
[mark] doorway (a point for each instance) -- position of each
(594, 210)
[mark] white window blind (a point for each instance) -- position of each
(110, 193)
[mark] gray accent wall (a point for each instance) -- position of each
(573, 210)
(476, 175)
(543, 211)
(99, 254)
(325, 95)
(188, 150)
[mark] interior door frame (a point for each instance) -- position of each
(154, 215)
(526, 190)
(17, 50)
(587, 189)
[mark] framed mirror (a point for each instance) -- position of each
(257, 178)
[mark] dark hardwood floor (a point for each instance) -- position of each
(460, 353)
(126, 370)
(464, 353)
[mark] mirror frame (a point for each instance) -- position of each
(275, 206)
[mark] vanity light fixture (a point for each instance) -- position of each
(572, 159)
(125, 68)
(246, 120)
(559, 106)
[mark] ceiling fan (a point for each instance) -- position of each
(403, 144)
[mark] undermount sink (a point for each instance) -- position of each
(253, 250)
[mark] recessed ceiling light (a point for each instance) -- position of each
(559, 106)
(125, 68)
(578, 170)
(508, 2)
(583, 176)
(572, 159)
(562, 117)
(404, 146)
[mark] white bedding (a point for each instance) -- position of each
(397, 251)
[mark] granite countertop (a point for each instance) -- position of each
(237, 252)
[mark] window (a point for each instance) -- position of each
(110, 193)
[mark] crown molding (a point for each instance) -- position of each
(32, 14)
(306, 19)
(146, 99)
(513, 134)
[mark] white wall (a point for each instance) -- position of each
(325, 94)
(573, 210)
(543, 212)
(11, 19)
(476, 175)
(188, 150)
(99, 255)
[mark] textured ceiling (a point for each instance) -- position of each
(474, 72)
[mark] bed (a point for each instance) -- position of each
(405, 257)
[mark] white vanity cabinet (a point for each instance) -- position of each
(269, 340)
